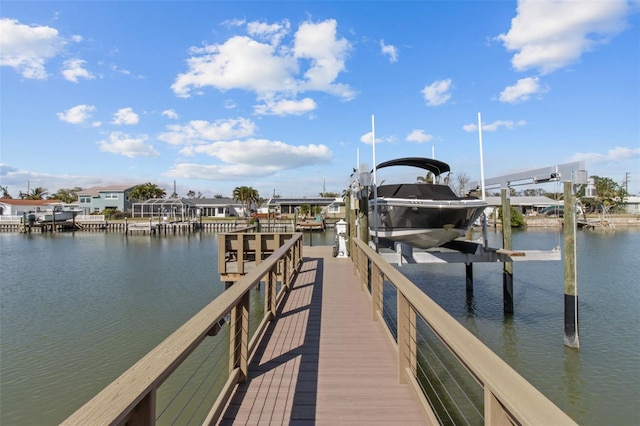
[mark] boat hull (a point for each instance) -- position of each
(422, 223)
(60, 216)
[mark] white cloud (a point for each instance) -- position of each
(218, 172)
(26, 48)
(74, 69)
(389, 50)
(273, 33)
(286, 107)
(239, 63)
(263, 153)
(419, 136)
(616, 154)
(327, 54)
(437, 93)
(507, 124)
(200, 131)
(249, 158)
(368, 139)
(124, 144)
(550, 34)
(169, 113)
(522, 90)
(273, 68)
(125, 116)
(78, 114)
(6, 169)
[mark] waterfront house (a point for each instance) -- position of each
(287, 207)
(18, 207)
(164, 209)
(218, 207)
(98, 199)
(525, 204)
(187, 208)
(632, 205)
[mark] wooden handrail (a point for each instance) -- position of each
(131, 397)
(508, 396)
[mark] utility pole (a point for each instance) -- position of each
(626, 182)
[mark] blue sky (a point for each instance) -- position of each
(279, 95)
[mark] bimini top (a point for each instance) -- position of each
(434, 166)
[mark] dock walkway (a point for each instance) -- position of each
(323, 360)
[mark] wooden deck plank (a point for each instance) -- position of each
(323, 360)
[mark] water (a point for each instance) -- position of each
(77, 310)
(598, 384)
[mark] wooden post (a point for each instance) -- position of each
(507, 268)
(570, 270)
(468, 267)
(350, 216)
(364, 219)
(406, 339)
(377, 282)
(270, 293)
(145, 412)
(239, 337)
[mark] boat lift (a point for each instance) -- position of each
(463, 252)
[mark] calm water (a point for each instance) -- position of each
(78, 310)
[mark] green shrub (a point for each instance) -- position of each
(517, 218)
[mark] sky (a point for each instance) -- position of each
(283, 96)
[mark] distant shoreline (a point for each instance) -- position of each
(623, 221)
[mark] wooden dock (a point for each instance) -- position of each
(323, 360)
(311, 225)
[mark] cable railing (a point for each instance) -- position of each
(456, 378)
(190, 376)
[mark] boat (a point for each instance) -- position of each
(58, 214)
(423, 215)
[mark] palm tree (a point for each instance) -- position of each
(5, 193)
(36, 194)
(246, 195)
(146, 191)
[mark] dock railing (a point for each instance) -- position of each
(132, 398)
(443, 362)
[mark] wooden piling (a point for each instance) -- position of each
(570, 270)
(507, 266)
(468, 267)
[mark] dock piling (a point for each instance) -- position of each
(507, 266)
(570, 270)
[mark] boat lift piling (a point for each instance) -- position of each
(571, 338)
(507, 244)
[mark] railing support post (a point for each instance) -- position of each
(270, 293)
(406, 339)
(494, 413)
(376, 292)
(144, 414)
(285, 272)
(239, 338)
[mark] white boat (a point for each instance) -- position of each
(423, 215)
(57, 215)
